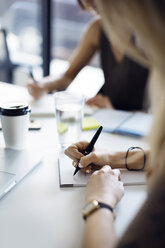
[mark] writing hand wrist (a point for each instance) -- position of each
(45, 89)
(110, 200)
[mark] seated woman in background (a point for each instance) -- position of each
(146, 20)
(125, 80)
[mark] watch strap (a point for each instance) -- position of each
(100, 205)
(103, 205)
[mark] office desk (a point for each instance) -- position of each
(39, 214)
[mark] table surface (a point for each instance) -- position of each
(37, 213)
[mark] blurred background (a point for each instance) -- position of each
(36, 34)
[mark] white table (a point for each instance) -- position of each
(39, 214)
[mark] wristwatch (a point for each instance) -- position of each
(93, 206)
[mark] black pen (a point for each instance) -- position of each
(32, 75)
(90, 147)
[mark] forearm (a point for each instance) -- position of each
(117, 159)
(135, 159)
(59, 84)
(76, 64)
(87, 47)
(99, 230)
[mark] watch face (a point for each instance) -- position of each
(94, 205)
(91, 206)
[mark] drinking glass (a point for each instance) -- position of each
(69, 114)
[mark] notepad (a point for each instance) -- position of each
(124, 122)
(90, 123)
(66, 178)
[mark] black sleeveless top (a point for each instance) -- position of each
(125, 82)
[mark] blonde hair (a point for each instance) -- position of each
(146, 19)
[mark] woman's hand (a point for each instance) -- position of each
(75, 153)
(100, 101)
(105, 186)
(96, 160)
(39, 88)
(35, 90)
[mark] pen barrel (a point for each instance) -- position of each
(93, 141)
(86, 152)
(90, 146)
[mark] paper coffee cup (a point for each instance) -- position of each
(14, 120)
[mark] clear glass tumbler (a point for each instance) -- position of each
(69, 108)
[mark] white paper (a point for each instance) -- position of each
(10, 92)
(67, 179)
(88, 82)
(41, 107)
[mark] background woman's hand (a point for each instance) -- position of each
(105, 186)
(35, 90)
(100, 101)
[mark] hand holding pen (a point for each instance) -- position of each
(75, 151)
(34, 88)
(32, 75)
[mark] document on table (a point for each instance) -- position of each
(66, 178)
(124, 122)
(41, 107)
(11, 92)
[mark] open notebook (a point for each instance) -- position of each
(67, 179)
(124, 122)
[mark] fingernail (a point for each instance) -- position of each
(81, 166)
(74, 164)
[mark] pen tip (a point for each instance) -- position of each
(74, 173)
(76, 170)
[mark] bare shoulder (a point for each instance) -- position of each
(95, 25)
(93, 32)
